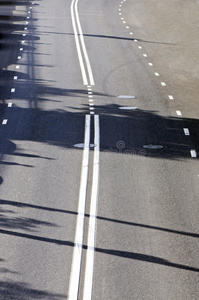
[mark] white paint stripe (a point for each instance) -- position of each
(145, 55)
(5, 121)
(140, 47)
(77, 252)
(178, 112)
(17, 67)
(171, 97)
(186, 131)
(9, 104)
(150, 64)
(12, 90)
(15, 77)
(193, 153)
(163, 83)
(83, 71)
(157, 74)
(90, 73)
(88, 283)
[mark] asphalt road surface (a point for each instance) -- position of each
(99, 150)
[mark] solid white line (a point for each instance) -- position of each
(90, 73)
(77, 252)
(83, 71)
(88, 283)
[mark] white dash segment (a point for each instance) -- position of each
(10, 104)
(12, 90)
(15, 77)
(5, 121)
(157, 74)
(178, 112)
(193, 153)
(150, 64)
(171, 97)
(145, 55)
(186, 131)
(163, 83)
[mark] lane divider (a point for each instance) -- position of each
(163, 84)
(80, 45)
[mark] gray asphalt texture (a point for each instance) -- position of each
(147, 217)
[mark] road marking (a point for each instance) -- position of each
(140, 47)
(135, 41)
(186, 131)
(12, 90)
(178, 112)
(193, 153)
(77, 251)
(163, 83)
(153, 147)
(82, 67)
(128, 107)
(125, 97)
(9, 104)
(88, 283)
(127, 27)
(21, 49)
(124, 22)
(17, 67)
(5, 121)
(130, 32)
(19, 57)
(171, 97)
(157, 74)
(15, 77)
(150, 64)
(145, 55)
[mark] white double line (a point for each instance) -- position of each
(80, 44)
(77, 253)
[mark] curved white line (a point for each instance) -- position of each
(82, 67)
(90, 73)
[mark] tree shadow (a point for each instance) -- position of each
(23, 291)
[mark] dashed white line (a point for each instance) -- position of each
(15, 77)
(157, 74)
(171, 97)
(178, 112)
(5, 121)
(163, 83)
(186, 131)
(193, 153)
(150, 64)
(10, 104)
(145, 55)
(12, 90)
